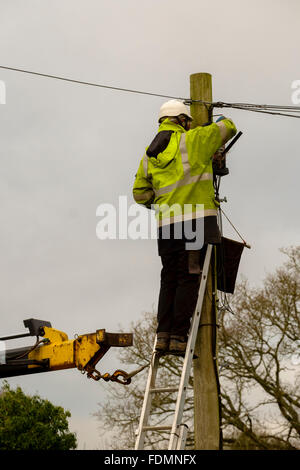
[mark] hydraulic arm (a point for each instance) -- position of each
(54, 351)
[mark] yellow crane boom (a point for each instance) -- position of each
(53, 350)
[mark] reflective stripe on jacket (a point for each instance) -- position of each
(179, 180)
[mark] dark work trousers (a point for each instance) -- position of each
(178, 292)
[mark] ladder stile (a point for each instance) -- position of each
(139, 444)
(182, 437)
(178, 429)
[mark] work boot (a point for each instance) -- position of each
(177, 344)
(162, 341)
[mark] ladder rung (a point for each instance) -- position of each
(156, 428)
(165, 389)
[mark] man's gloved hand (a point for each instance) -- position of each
(209, 123)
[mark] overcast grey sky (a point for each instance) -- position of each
(67, 148)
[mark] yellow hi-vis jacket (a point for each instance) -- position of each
(178, 182)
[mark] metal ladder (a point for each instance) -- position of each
(178, 430)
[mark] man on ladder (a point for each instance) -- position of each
(175, 177)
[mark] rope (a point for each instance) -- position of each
(235, 229)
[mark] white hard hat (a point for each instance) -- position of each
(174, 108)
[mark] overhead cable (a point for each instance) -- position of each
(80, 82)
(258, 108)
(262, 108)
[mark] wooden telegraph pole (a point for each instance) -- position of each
(206, 394)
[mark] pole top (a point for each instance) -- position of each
(200, 73)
